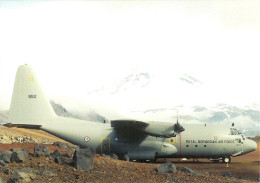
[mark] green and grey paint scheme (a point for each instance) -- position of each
(140, 140)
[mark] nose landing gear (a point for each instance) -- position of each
(226, 159)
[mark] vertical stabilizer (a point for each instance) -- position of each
(29, 106)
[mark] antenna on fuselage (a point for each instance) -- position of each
(177, 115)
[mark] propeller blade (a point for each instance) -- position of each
(178, 128)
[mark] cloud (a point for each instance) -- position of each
(74, 47)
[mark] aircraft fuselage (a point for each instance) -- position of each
(197, 141)
(138, 139)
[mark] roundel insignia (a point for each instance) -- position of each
(86, 139)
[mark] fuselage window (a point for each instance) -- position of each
(238, 141)
(187, 145)
(243, 137)
(196, 145)
(205, 145)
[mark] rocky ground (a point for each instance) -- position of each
(19, 135)
(49, 169)
(46, 169)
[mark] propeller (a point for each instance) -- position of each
(175, 129)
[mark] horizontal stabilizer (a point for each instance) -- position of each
(22, 126)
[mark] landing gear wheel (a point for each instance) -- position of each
(226, 160)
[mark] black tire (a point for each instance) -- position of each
(226, 159)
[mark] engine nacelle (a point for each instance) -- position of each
(167, 150)
(159, 129)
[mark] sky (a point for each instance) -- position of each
(77, 46)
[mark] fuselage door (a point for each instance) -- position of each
(242, 141)
(105, 145)
(238, 147)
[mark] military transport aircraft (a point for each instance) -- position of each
(140, 140)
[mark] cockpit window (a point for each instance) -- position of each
(244, 138)
(238, 141)
(234, 131)
(239, 132)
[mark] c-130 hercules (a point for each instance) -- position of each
(140, 140)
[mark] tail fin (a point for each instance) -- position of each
(29, 107)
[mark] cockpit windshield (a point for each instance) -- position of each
(234, 131)
(239, 132)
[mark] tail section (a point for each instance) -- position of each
(29, 107)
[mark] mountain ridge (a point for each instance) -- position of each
(62, 111)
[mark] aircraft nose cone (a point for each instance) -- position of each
(249, 146)
(254, 146)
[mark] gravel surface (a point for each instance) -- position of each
(242, 169)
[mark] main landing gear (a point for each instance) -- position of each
(224, 160)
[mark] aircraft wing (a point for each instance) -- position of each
(157, 129)
(129, 124)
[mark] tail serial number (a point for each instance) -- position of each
(32, 96)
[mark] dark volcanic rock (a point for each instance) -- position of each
(62, 145)
(105, 156)
(19, 155)
(7, 171)
(6, 156)
(188, 170)
(124, 157)
(167, 167)
(67, 160)
(113, 156)
(2, 163)
(59, 159)
(83, 159)
(56, 154)
(226, 174)
(25, 151)
(23, 175)
(41, 151)
(67, 155)
(48, 172)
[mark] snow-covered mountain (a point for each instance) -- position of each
(189, 79)
(145, 85)
(246, 118)
(89, 115)
(3, 116)
(132, 81)
(157, 96)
